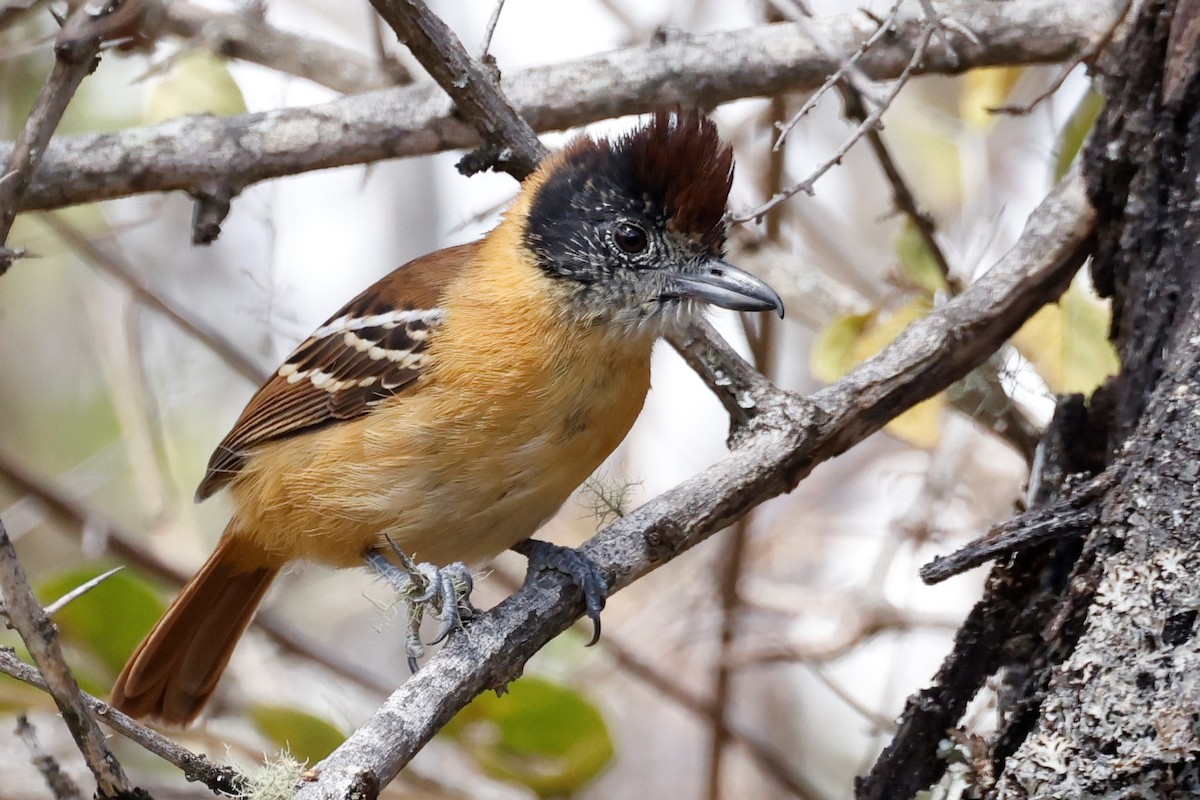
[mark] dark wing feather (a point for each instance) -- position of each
(373, 348)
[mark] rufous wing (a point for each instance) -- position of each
(373, 348)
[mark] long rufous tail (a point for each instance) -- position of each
(176, 667)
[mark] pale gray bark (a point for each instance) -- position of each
(210, 156)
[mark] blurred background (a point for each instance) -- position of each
(769, 662)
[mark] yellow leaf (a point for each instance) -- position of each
(917, 260)
(197, 83)
(983, 89)
(929, 153)
(832, 354)
(1067, 342)
(849, 340)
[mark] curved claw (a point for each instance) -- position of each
(578, 567)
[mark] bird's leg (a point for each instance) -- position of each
(444, 591)
(578, 567)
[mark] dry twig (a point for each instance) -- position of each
(1088, 56)
(225, 780)
(509, 144)
(41, 638)
(870, 122)
(75, 52)
(1072, 516)
(58, 782)
(115, 266)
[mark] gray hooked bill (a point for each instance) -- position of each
(726, 286)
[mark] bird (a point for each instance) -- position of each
(453, 406)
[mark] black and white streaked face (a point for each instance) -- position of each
(636, 226)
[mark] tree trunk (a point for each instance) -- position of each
(1119, 714)
(1094, 639)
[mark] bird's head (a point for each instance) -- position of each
(634, 228)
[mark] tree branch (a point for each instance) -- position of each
(58, 782)
(75, 51)
(1072, 516)
(509, 144)
(782, 445)
(225, 780)
(41, 637)
(196, 154)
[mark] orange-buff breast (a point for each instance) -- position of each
(518, 407)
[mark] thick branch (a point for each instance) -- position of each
(196, 153)
(781, 447)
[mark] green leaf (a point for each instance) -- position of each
(111, 619)
(308, 738)
(197, 83)
(1067, 342)
(1078, 126)
(541, 735)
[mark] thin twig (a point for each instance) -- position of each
(13, 10)
(493, 20)
(761, 751)
(939, 23)
(225, 780)
(1088, 56)
(75, 55)
(115, 266)
(41, 638)
(878, 618)
(842, 74)
(902, 196)
(870, 122)
(731, 566)
(59, 782)
(855, 105)
(878, 721)
(777, 767)
(1072, 516)
(79, 591)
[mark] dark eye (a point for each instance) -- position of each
(629, 237)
